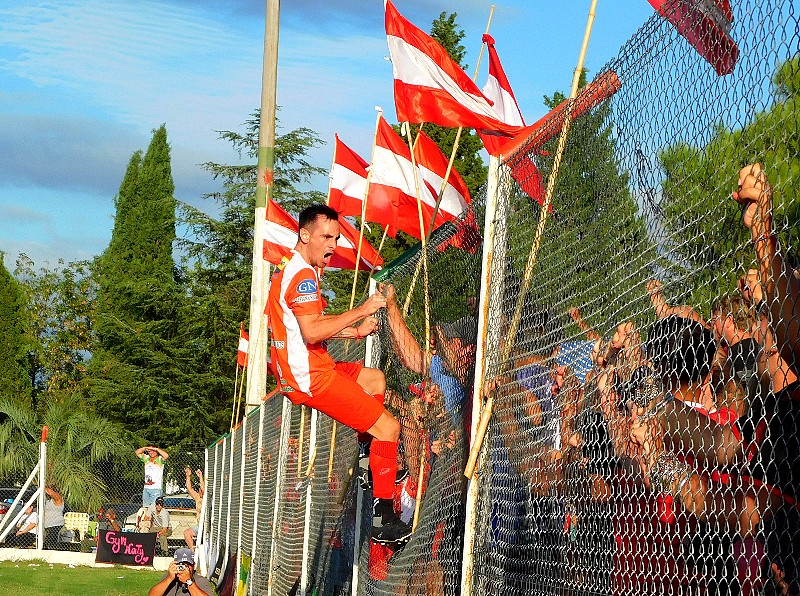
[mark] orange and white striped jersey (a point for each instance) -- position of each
(295, 291)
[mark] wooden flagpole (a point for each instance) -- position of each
(379, 110)
(239, 401)
(526, 282)
(424, 261)
(364, 206)
(373, 265)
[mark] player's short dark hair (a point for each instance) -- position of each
(310, 214)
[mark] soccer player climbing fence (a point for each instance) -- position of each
(642, 363)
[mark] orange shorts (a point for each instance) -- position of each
(343, 399)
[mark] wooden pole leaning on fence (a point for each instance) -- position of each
(426, 302)
(449, 169)
(486, 414)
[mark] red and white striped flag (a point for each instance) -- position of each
(348, 180)
(499, 91)
(346, 250)
(281, 238)
(280, 234)
(706, 25)
(432, 164)
(392, 182)
(349, 184)
(429, 86)
(244, 344)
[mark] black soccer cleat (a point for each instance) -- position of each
(387, 528)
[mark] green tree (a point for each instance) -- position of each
(708, 257)
(80, 445)
(219, 251)
(596, 241)
(15, 342)
(138, 376)
(60, 307)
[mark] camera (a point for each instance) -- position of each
(180, 567)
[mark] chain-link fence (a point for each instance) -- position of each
(635, 351)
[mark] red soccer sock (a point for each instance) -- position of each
(366, 437)
(383, 463)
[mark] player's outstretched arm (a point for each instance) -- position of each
(404, 343)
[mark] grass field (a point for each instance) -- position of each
(37, 578)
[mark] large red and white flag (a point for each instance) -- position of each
(706, 25)
(499, 91)
(428, 85)
(281, 238)
(348, 180)
(244, 344)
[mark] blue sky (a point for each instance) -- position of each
(84, 82)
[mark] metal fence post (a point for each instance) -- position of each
(495, 212)
(259, 465)
(42, 484)
(312, 445)
(286, 423)
(243, 429)
(202, 564)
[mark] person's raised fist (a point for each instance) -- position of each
(754, 195)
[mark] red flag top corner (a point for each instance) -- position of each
(706, 25)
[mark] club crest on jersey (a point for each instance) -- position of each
(307, 286)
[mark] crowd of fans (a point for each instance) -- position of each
(661, 460)
(667, 463)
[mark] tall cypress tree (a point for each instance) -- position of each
(14, 342)
(135, 373)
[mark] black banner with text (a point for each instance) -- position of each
(126, 548)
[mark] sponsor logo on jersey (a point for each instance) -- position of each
(279, 344)
(307, 298)
(307, 286)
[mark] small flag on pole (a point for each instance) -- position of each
(244, 345)
(498, 90)
(348, 180)
(432, 164)
(281, 238)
